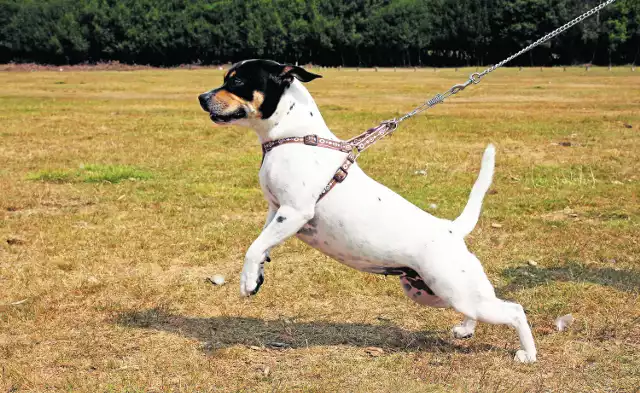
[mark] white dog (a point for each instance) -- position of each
(360, 222)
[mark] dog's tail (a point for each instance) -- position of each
(465, 223)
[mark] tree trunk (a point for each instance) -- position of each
(531, 58)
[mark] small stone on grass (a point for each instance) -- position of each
(216, 279)
(563, 322)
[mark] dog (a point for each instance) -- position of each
(360, 222)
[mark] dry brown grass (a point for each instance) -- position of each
(108, 276)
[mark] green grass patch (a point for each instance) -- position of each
(95, 173)
(51, 176)
(92, 173)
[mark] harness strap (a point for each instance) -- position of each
(372, 135)
(309, 140)
(339, 176)
(353, 146)
(313, 140)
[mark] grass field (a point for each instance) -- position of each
(118, 197)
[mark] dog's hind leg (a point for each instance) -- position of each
(498, 311)
(482, 305)
(459, 279)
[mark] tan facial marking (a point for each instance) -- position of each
(230, 100)
(229, 74)
(258, 99)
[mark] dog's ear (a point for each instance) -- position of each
(299, 73)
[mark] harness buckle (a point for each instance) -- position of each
(311, 140)
(352, 157)
(340, 175)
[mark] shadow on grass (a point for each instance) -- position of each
(530, 276)
(222, 332)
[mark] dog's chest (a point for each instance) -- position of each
(292, 174)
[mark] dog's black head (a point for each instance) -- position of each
(251, 89)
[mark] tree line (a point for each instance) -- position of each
(324, 32)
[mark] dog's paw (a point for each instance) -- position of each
(250, 283)
(248, 288)
(460, 331)
(258, 284)
(523, 357)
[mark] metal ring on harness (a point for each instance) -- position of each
(475, 77)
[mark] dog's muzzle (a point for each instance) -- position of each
(216, 109)
(205, 99)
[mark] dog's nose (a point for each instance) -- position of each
(204, 101)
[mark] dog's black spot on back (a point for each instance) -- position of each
(379, 199)
(311, 113)
(308, 231)
(281, 219)
(450, 231)
(292, 105)
(414, 279)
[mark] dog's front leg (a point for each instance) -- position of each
(287, 222)
(270, 214)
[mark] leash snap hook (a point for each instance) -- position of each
(391, 125)
(458, 88)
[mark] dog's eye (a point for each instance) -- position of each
(236, 82)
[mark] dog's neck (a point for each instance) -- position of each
(296, 115)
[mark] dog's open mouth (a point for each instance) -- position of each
(225, 119)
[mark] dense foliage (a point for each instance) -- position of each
(326, 32)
